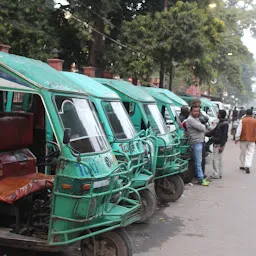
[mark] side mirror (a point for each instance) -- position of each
(67, 136)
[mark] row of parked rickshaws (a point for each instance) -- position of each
(80, 158)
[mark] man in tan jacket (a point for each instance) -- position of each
(246, 133)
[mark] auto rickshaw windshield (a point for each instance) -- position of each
(155, 118)
(86, 132)
(212, 112)
(119, 120)
(175, 114)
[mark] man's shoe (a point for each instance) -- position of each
(242, 168)
(247, 170)
(204, 182)
(214, 178)
(220, 177)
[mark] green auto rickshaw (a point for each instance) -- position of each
(123, 138)
(60, 182)
(144, 113)
(167, 108)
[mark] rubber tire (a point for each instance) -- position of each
(179, 188)
(189, 175)
(151, 201)
(121, 239)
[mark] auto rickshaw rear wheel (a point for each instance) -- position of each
(113, 243)
(169, 189)
(148, 205)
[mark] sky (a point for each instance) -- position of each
(250, 42)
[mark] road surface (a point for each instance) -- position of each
(214, 221)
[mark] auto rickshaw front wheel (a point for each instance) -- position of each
(113, 243)
(169, 189)
(148, 205)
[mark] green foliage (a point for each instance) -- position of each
(25, 25)
(183, 34)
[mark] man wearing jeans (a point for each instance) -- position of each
(196, 131)
(219, 137)
(246, 133)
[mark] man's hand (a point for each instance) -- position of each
(221, 149)
(236, 141)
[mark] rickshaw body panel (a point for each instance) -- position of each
(165, 98)
(126, 150)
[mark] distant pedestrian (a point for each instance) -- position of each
(219, 137)
(246, 134)
(234, 114)
(242, 112)
(184, 114)
(196, 131)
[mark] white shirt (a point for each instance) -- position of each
(239, 128)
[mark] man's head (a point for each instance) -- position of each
(196, 103)
(185, 110)
(222, 114)
(195, 111)
(249, 112)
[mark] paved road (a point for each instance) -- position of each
(214, 221)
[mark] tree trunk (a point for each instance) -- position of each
(165, 5)
(135, 80)
(161, 83)
(97, 45)
(171, 77)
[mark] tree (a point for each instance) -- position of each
(25, 26)
(182, 34)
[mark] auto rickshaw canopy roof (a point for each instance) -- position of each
(158, 94)
(132, 91)
(38, 74)
(177, 101)
(92, 87)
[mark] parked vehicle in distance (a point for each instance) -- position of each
(219, 104)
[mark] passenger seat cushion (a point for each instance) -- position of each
(15, 188)
(16, 130)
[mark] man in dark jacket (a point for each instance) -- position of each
(234, 115)
(219, 137)
(184, 114)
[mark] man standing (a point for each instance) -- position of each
(219, 137)
(196, 131)
(246, 133)
(242, 112)
(184, 114)
(234, 115)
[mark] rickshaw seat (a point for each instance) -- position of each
(16, 130)
(14, 188)
(18, 177)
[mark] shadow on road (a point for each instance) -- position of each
(158, 229)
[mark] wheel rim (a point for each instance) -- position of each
(100, 246)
